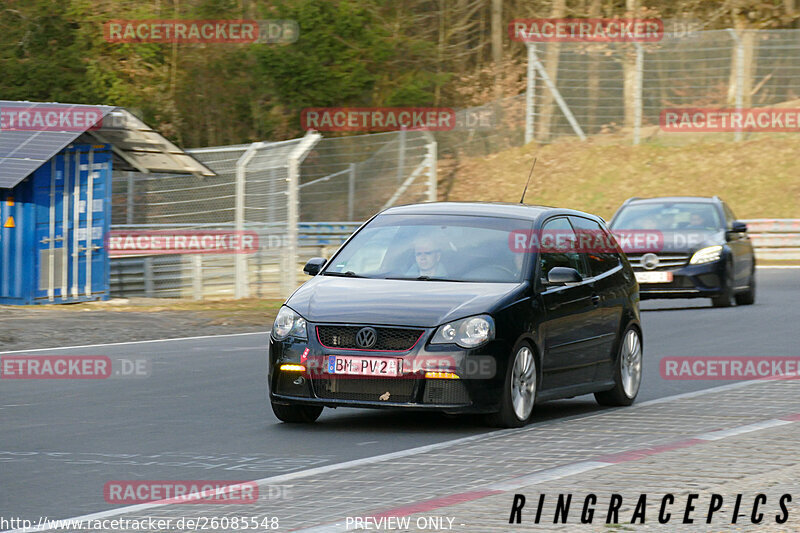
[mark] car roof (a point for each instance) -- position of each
(665, 199)
(489, 209)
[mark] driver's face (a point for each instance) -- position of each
(427, 256)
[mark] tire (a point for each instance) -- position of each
(724, 299)
(628, 371)
(297, 414)
(748, 297)
(519, 389)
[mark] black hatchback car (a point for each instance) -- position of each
(699, 250)
(458, 307)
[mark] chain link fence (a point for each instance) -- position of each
(301, 197)
(622, 88)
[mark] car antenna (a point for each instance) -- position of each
(521, 200)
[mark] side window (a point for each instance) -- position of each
(597, 245)
(548, 260)
(729, 217)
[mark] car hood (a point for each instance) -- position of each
(398, 302)
(682, 241)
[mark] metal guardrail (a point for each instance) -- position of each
(198, 276)
(775, 239)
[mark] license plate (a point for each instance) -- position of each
(363, 366)
(653, 277)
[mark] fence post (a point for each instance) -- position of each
(351, 191)
(557, 95)
(739, 76)
(241, 288)
(432, 171)
(530, 94)
(129, 206)
(637, 96)
(296, 157)
(148, 276)
(401, 156)
(197, 276)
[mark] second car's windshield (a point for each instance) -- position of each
(671, 216)
(430, 248)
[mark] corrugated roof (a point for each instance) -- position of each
(33, 132)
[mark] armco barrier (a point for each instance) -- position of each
(207, 276)
(775, 239)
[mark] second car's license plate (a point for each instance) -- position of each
(653, 277)
(363, 366)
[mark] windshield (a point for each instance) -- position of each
(434, 247)
(669, 216)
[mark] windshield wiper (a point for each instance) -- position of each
(348, 274)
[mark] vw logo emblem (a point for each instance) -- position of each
(649, 261)
(366, 337)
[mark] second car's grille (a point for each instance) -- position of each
(388, 339)
(666, 261)
(365, 389)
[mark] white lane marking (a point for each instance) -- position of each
(137, 342)
(367, 442)
(749, 428)
(776, 267)
(403, 453)
(548, 474)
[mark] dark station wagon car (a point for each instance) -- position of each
(435, 306)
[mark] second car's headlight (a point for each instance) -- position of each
(288, 323)
(468, 332)
(706, 255)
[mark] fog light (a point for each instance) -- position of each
(441, 375)
(293, 368)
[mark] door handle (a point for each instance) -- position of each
(595, 300)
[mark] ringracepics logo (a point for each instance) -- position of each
(193, 491)
(585, 30)
(122, 242)
(71, 367)
(378, 118)
(697, 120)
(201, 31)
(729, 368)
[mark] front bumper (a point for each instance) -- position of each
(478, 391)
(690, 281)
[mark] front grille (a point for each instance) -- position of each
(389, 339)
(445, 391)
(667, 261)
(365, 389)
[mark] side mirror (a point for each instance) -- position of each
(738, 226)
(314, 265)
(563, 275)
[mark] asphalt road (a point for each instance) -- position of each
(203, 414)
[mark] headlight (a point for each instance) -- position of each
(706, 255)
(468, 332)
(288, 323)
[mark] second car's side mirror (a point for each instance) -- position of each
(562, 276)
(738, 226)
(314, 265)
